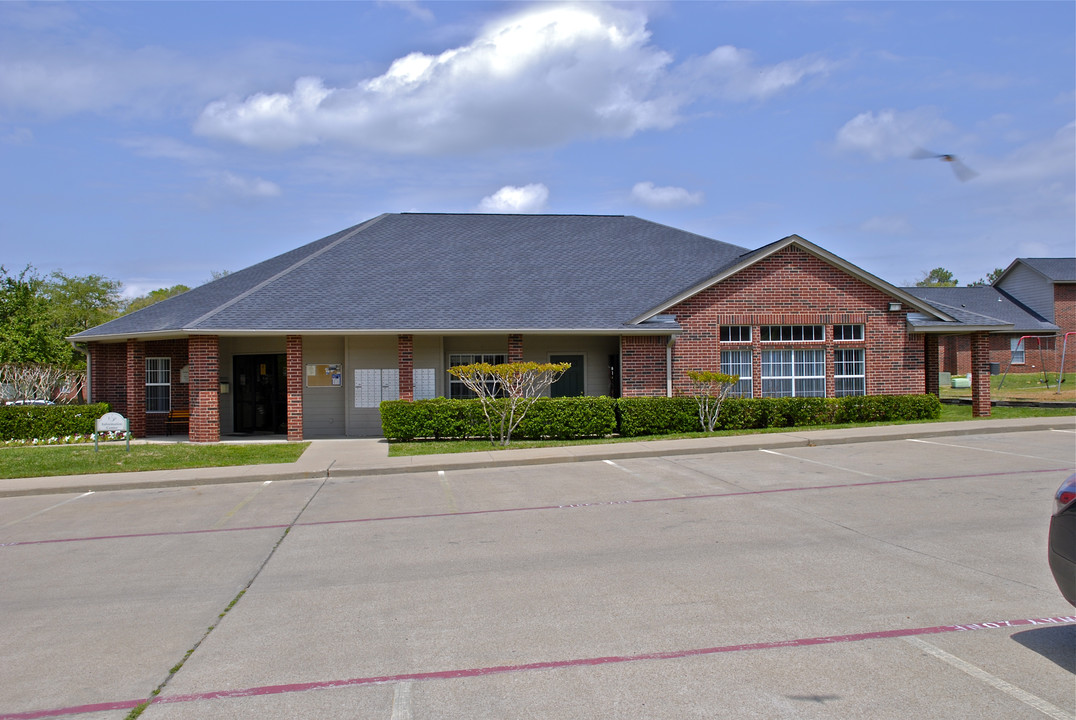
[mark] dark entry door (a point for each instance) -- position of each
(260, 388)
(570, 383)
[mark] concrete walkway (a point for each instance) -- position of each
(357, 457)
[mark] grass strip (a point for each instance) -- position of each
(19, 462)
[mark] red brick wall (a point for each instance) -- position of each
(135, 381)
(793, 287)
(405, 361)
(108, 375)
(515, 348)
(1065, 318)
(204, 388)
(980, 374)
(294, 349)
(642, 365)
(108, 380)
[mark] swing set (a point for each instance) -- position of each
(1042, 358)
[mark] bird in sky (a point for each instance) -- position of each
(962, 171)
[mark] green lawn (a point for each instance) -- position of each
(16, 462)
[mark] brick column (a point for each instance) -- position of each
(930, 363)
(405, 362)
(642, 365)
(204, 358)
(135, 378)
(294, 363)
(980, 374)
(515, 348)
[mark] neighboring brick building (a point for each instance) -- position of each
(309, 343)
(1036, 295)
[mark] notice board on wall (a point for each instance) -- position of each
(326, 375)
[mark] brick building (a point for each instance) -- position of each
(1036, 295)
(309, 343)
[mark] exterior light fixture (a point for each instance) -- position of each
(894, 307)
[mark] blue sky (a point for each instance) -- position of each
(156, 143)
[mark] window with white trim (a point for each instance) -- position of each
(735, 334)
(456, 388)
(1018, 350)
(792, 333)
(844, 333)
(849, 373)
(158, 384)
(793, 373)
(738, 362)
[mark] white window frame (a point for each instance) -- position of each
(158, 375)
(792, 333)
(1019, 351)
(794, 373)
(839, 332)
(738, 362)
(456, 387)
(849, 372)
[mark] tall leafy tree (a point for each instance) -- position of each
(153, 297)
(28, 331)
(938, 277)
(989, 279)
(80, 303)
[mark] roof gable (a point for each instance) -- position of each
(748, 259)
(1057, 270)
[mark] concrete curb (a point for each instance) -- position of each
(335, 459)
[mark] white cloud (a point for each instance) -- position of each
(547, 75)
(412, 8)
(245, 187)
(730, 73)
(1041, 160)
(891, 134)
(16, 136)
(168, 148)
(510, 199)
(664, 197)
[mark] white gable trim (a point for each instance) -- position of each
(877, 283)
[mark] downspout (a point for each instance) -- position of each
(668, 366)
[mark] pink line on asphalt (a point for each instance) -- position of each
(528, 667)
(601, 503)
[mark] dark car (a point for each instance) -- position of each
(1063, 539)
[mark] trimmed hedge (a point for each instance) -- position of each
(27, 422)
(445, 419)
(658, 415)
(568, 418)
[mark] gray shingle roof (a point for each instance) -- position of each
(415, 272)
(982, 306)
(1055, 269)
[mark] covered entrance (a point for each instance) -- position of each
(570, 383)
(260, 394)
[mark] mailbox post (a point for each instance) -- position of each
(112, 422)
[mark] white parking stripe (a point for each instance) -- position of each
(450, 499)
(50, 507)
(978, 673)
(816, 462)
(980, 449)
(401, 701)
(241, 505)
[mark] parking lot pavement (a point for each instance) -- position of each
(875, 580)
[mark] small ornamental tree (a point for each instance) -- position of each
(710, 390)
(507, 391)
